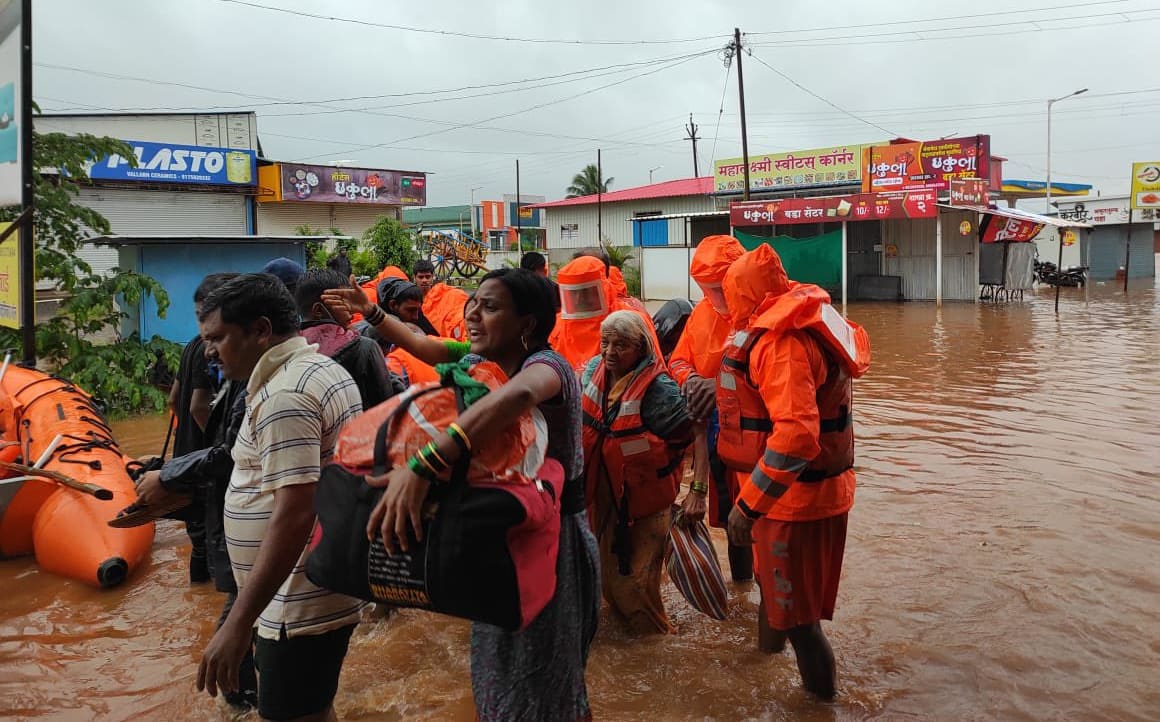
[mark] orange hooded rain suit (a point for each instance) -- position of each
(784, 393)
(443, 307)
(586, 298)
(371, 287)
(703, 340)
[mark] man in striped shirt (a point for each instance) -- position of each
(297, 402)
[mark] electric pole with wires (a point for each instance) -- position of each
(733, 50)
(691, 131)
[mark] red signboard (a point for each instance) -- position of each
(930, 164)
(1011, 230)
(970, 192)
(834, 209)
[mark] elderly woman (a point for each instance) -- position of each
(636, 429)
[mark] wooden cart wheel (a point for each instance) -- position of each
(443, 259)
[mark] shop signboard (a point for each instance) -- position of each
(819, 167)
(929, 164)
(10, 278)
(173, 163)
(1145, 185)
(328, 184)
(1103, 212)
(969, 192)
(834, 209)
(1011, 230)
(11, 173)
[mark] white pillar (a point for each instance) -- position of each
(938, 260)
(845, 250)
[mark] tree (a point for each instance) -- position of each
(390, 244)
(588, 182)
(316, 253)
(121, 374)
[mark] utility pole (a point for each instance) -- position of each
(691, 131)
(599, 201)
(519, 221)
(735, 47)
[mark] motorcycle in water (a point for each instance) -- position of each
(1048, 274)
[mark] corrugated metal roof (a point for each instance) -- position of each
(670, 216)
(666, 189)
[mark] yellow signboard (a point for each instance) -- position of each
(841, 165)
(1146, 185)
(10, 279)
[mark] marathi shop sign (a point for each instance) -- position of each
(819, 167)
(834, 209)
(930, 164)
(1010, 230)
(173, 163)
(328, 184)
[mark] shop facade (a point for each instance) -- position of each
(194, 175)
(1104, 249)
(350, 200)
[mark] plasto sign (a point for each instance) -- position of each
(171, 163)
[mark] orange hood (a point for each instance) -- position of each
(752, 280)
(616, 279)
(713, 258)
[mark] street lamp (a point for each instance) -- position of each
(1051, 102)
(650, 172)
(471, 209)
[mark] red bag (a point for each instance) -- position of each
(490, 541)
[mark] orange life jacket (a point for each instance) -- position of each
(410, 369)
(643, 470)
(826, 485)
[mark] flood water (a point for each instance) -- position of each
(1001, 562)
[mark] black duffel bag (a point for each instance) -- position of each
(488, 552)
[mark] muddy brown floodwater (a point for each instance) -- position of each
(1002, 560)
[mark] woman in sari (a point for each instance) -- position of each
(636, 429)
(537, 673)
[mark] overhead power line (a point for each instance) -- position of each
(458, 126)
(971, 16)
(471, 36)
(273, 102)
(825, 100)
(929, 34)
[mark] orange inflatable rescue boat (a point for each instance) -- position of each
(49, 423)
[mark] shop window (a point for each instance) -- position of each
(569, 234)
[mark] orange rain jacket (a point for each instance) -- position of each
(703, 340)
(620, 291)
(576, 336)
(443, 307)
(789, 368)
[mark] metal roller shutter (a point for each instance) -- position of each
(281, 219)
(160, 213)
(355, 220)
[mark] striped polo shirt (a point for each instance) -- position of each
(298, 401)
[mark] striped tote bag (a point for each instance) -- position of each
(692, 564)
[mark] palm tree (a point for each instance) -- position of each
(588, 183)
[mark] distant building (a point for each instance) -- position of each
(1104, 249)
(572, 222)
(439, 218)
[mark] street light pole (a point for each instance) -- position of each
(1058, 237)
(650, 172)
(471, 209)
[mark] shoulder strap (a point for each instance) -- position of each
(380, 460)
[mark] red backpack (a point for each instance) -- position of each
(489, 547)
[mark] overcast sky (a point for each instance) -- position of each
(921, 69)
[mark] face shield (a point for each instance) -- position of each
(716, 296)
(583, 300)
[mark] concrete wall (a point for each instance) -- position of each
(232, 130)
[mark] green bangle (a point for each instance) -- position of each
(699, 487)
(421, 470)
